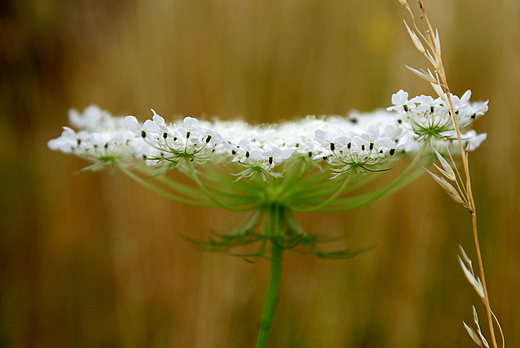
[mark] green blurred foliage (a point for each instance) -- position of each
(92, 260)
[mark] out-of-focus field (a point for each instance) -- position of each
(93, 260)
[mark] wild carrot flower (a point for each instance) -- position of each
(311, 164)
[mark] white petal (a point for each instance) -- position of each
(190, 122)
(132, 124)
(151, 127)
(400, 98)
(159, 121)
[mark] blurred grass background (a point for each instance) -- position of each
(93, 260)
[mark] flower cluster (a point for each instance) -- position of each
(101, 139)
(360, 142)
(275, 169)
(430, 118)
(173, 144)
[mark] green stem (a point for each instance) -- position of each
(164, 193)
(203, 187)
(326, 201)
(272, 296)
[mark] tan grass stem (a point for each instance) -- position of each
(433, 53)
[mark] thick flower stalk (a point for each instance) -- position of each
(312, 164)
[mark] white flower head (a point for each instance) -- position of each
(363, 142)
(431, 118)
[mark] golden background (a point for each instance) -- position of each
(94, 260)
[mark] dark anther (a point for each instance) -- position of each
(456, 112)
(399, 121)
(175, 139)
(143, 134)
(371, 146)
(106, 146)
(233, 152)
(363, 147)
(165, 135)
(332, 146)
(208, 139)
(271, 160)
(325, 158)
(405, 107)
(188, 135)
(247, 154)
(310, 154)
(78, 141)
(354, 120)
(474, 116)
(349, 145)
(392, 151)
(297, 145)
(431, 109)
(381, 151)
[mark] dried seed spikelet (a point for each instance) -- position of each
(467, 268)
(440, 92)
(423, 75)
(404, 3)
(474, 336)
(477, 336)
(447, 169)
(448, 188)
(415, 39)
